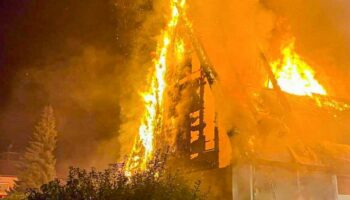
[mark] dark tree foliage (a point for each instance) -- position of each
(156, 183)
(37, 165)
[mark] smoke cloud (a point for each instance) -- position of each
(74, 57)
(233, 31)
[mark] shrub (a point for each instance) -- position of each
(156, 183)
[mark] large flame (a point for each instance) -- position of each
(152, 120)
(294, 75)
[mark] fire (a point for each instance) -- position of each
(179, 50)
(294, 75)
(152, 120)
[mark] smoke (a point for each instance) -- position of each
(73, 57)
(232, 33)
(228, 31)
(84, 93)
(150, 16)
(322, 37)
(91, 62)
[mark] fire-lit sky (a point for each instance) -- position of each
(73, 55)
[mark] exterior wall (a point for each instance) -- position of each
(269, 182)
(6, 183)
(215, 182)
(343, 187)
(343, 197)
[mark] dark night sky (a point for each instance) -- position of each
(43, 43)
(32, 29)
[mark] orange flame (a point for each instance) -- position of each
(151, 123)
(296, 77)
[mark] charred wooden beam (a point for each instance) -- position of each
(276, 87)
(207, 66)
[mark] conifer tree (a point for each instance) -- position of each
(37, 165)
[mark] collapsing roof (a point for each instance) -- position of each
(309, 139)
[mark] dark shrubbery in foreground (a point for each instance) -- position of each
(153, 184)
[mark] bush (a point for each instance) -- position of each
(16, 196)
(156, 183)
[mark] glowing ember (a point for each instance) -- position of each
(294, 75)
(151, 123)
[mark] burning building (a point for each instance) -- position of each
(276, 158)
(280, 158)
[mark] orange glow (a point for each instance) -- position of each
(152, 120)
(296, 77)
